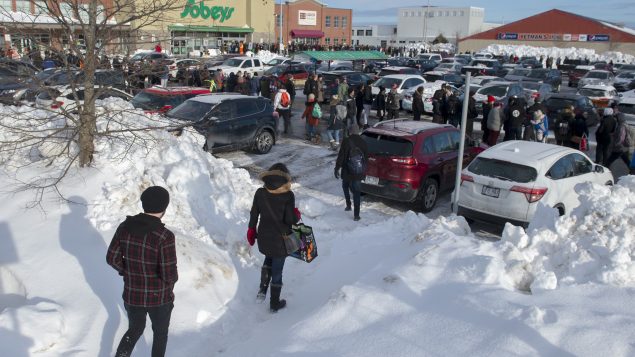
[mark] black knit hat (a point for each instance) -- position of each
(155, 199)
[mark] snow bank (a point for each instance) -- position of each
(555, 52)
(593, 245)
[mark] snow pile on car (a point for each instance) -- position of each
(595, 244)
(555, 52)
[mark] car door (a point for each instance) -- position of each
(563, 178)
(246, 121)
(445, 158)
(220, 119)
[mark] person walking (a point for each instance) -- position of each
(540, 124)
(367, 104)
(254, 85)
(143, 252)
(437, 106)
(282, 104)
(579, 130)
(265, 90)
(320, 85)
(336, 121)
(342, 89)
(272, 214)
(290, 87)
(563, 127)
(392, 103)
(381, 103)
(359, 101)
(621, 142)
(351, 110)
(312, 121)
(603, 135)
(350, 166)
(417, 104)
(495, 120)
(515, 114)
(311, 86)
(487, 107)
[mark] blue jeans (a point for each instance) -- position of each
(276, 265)
(334, 135)
(354, 186)
(310, 130)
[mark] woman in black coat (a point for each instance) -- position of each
(417, 103)
(274, 207)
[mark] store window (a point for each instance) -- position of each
(336, 21)
(343, 41)
(360, 32)
(280, 19)
(23, 5)
(327, 21)
(344, 21)
(327, 40)
(369, 32)
(335, 41)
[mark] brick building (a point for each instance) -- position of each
(313, 22)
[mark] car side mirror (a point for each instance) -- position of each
(599, 169)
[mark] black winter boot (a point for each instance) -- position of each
(265, 278)
(276, 304)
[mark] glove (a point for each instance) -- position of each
(297, 213)
(251, 236)
(337, 173)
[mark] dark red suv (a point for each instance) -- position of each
(160, 100)
(413, 161)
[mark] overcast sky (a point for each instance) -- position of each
(499, 11)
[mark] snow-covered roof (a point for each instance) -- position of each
(20, 17)
(619, 28)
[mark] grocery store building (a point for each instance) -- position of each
(556, 28)
(312, 22)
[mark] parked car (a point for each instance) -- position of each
(243, 64)
(462, 60)
(428, 91)
(449, 67)
(452, 78)
(483, 66)
(545, 75)
(276, 61)
(352, 78)
(534, 90)
(480, 81)
(507, 182)
(374, 66)
(575, 74)
(502, 91)
(569, 64)
(334, 66)
(623, 80)
(555, 103)
(299, 72)
(625, 68)
(161, 100)
(403, 82)
(66, 98)
(531, 63)
(483, 55)
(601, 96)
(14, 75)
(466, 57)
(422, 65)
(598, 77)
(517, 74)
(430, 56)
(397, 62)
(413, 161)
(397, 70)
(230, 121)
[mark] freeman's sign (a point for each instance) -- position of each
(194, 10)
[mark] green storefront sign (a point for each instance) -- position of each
(220, 13)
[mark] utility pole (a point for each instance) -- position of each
(425, 24)
(280, 18)
(459, 160)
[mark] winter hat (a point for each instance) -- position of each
(608, 112)
(311, 97)
(155, 199)
(490, 99)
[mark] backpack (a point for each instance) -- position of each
(285, 99)
(356, 163)
(340, 112)
(317, 111)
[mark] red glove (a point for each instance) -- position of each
(251, 236)
(297, 213)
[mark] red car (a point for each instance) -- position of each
(577, 73)
(160, 100)
(413, 161)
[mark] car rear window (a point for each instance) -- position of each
(496, 91)
(191, 110)
(155, 101)
(379, 144)
(503, 170)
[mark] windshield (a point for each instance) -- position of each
(626, 108)
(233, 62)
(538, 73)
(530, 85)
(154, 101)
(626, 75)
(275, 61)
(191, 110)
(588, 92)
(520, 72)
(482, 63)
(503, 170)
(599, 75)
(139, 56)
(387, 82)
(387, 145)
(496, 91)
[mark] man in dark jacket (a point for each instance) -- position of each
(563, 125)
(603, 135)
(272, 214)
(143, 251)
(516, 115)
(290, 87)
(487, 107)
(351, 110)
(392, 103)
(311, 86)
(265, 90)
(437, 105)
(417, 104)
(352, 160)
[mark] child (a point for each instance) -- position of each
(311, 121)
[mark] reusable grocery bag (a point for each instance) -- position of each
(308, 249)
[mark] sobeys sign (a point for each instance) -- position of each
(220, 13)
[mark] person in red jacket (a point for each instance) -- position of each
(143, 251)
(272, 214)
(158, 48)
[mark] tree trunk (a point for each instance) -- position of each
(87, 115)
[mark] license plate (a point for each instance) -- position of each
(372, 180)
(491, 191)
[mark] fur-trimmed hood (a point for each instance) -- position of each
(276, 181)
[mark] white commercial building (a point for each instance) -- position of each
(374, 35)
(414, 24)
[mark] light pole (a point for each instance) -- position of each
(280, 18)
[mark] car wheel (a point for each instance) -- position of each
(428, 195)
(263, 142)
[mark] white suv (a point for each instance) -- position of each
(506, 182)
(403, 82)
(243, 64)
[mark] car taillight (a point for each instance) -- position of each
(56, 105)
(467, 178)
(404, 160)
(531, 194)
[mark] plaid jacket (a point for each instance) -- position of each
(143, 251)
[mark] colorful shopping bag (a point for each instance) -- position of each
(308, 250)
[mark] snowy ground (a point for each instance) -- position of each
(394, 284)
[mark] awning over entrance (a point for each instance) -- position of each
(307, 33)
(346, 55)
(195, 28)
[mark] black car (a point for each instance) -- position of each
(569, 64)
(423, 65)
(555, 103)
(352, 78)
(483, 66)
(374, 66)
(531, 63)
(454, 79)
(230, 121)
(550, 76)
(13, 76)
